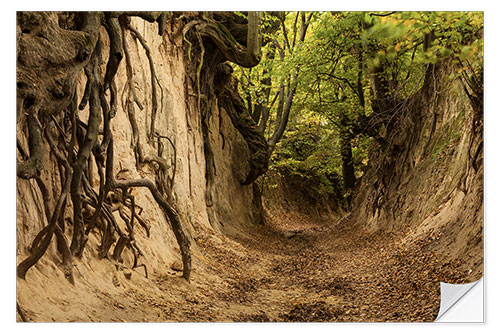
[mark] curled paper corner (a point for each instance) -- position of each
(461, 303)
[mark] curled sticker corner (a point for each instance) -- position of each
(452, 295)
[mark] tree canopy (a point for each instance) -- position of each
(350, 76)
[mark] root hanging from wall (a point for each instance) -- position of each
(91, 210)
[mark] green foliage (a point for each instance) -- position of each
(360, 151)
(283, 56)
(338, 65)
(401, 37)
(308, 155)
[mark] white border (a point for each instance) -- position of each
(492, 151)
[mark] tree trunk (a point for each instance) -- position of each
(347, 165)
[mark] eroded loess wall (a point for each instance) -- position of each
(178, 118)
(429, 182)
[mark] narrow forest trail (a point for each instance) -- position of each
(295, 269)
(292, 269)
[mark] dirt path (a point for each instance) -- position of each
(295, 269)
(292, 269)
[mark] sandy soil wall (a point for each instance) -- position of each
(177, 118)
(427, 183)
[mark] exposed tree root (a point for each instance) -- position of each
(120, 245)
(129, 106)
(174, 157)
(39, 251)
(82, 157)
(115, 50)
(32, 167)
(47, 79)
(21, 313)
(229, 46)
(67, 260)
(62, 243)
(154, 79)
(233, 104)
(169, 210)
